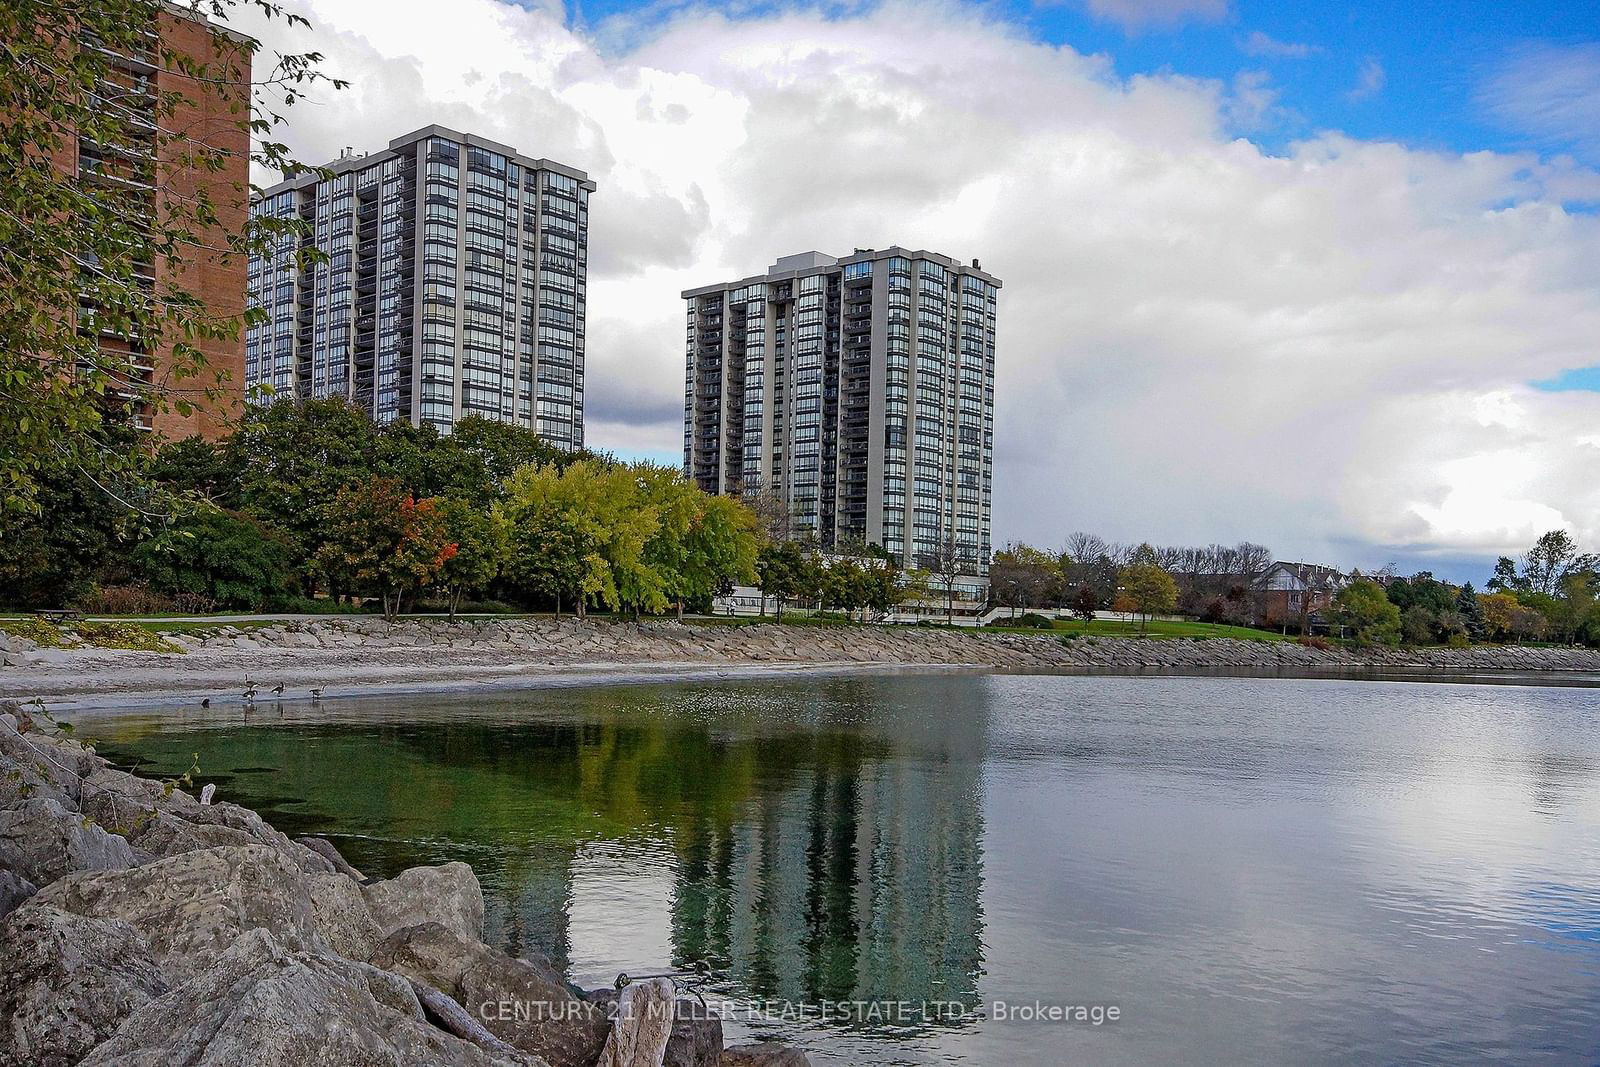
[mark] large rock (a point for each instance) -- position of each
(14, 889)
(342, 917)
(264, 1003)
(448, 894)
(36, 766)
(67, 982)
(40, 840)
(522, 1003)
(163, 823)
(191, 907)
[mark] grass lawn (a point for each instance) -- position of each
(1154, 628)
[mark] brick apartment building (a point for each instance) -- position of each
(165, 118)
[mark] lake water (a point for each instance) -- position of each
(1306, 871)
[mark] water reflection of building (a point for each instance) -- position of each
(857, 875)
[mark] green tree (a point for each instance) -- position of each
(602, 509)
(51, 554)
(1423, 590)
(844, 585)
(230, 559)
(1151, 590)
(1552, 558)
(294, 458)
(721, 549)
(495, 450)
(482, 545)
(1506, 579)
(786, 570)
(1022, 575)
(1418, 625)
(549, 555)
(197, 468)
(1470, 608)
(78, 311)
(1366, 610)
(885, 587)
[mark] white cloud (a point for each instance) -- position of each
(1370, 80)
(1260, 44)
(1135, 15)
(1324, 349)
(1549, 92)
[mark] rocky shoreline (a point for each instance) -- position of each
(140, 924)
(346, 656)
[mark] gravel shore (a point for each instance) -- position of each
(362, 655)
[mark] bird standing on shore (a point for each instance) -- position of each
(206, 703)
(316, 695)
(277, 690)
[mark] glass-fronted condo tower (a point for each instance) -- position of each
(453, 284)
(858, 390)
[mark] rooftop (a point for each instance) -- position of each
(352, 161)
(803, 263)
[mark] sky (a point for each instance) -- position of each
(1324, 276)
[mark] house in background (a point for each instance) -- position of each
(1292, 593)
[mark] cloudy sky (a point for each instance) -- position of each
(1324, 276)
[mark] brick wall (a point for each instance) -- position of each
(213, 113)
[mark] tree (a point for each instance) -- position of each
(1470, 608)
(550, 555)
(79, 313)
(51, 555)
(1528, 624)
(784, 569)
(703, 544)
(885, 588)
(1085, 603)
(482, 545)
(771, 511)
(494, 450)
(1366, 610)
(1151, 589)
(1553, 556)
(294, 458)
(230, 559)
(382, 537)
(945, 565)
(844, 585)
(1498, 611)
(1506, 579)
(1021, 575)
(720, 549)
(1418, 625)
(601, 510)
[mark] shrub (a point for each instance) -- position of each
(1458, 640)
(41, 632)
(122, 635)
(232, 560)
(1036, 621)
(292, 604)
(1321, 644)
(131, 598)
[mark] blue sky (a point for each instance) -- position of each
(1421, 73)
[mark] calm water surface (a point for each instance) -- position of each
(1248, 869)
